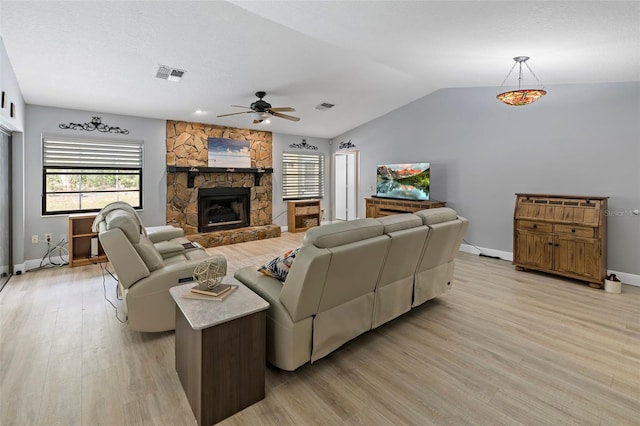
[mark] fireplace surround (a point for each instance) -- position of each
(188, 174)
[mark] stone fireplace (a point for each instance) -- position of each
(189, 179)
(223, 208)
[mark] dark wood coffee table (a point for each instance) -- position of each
(220, 351)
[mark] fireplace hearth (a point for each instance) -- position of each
(223, 208)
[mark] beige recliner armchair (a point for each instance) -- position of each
(144, 275)
(169, 240)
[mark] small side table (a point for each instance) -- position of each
(220, 351)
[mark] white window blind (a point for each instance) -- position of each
(76, 153)
(84, 175)
(302, 176)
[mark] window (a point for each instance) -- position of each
(302, 176)
(84, 175)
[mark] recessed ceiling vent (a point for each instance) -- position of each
(169, 73)
(324, 106)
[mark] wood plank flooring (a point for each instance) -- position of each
(501, 348)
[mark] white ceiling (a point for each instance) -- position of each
(366, 57)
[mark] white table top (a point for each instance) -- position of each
(207, 313)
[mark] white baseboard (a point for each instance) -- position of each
(35, 263)
(631, 279)
(504, 255)
(626, 278)
(286, 228)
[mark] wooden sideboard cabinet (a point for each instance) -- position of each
(564, 235)
(378, 207)
(302, 215)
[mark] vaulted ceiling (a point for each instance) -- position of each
(366, 57)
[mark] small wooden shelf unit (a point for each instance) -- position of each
(563, 235)
(302, 215)
(378, 207)
(80, 236)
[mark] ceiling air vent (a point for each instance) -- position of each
(324, 106)
(169, 73)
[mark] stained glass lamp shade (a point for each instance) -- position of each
(521, 96)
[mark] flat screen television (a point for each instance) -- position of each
(408, 181)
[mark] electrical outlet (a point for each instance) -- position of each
(48, 237)
(34, 239)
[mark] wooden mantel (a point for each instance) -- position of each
(193, 171)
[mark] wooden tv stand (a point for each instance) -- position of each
(378, 207)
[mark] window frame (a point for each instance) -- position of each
(125, 162)
(319, 191)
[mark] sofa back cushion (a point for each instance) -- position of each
(304, 287)
(337, 234)
(398, 222)
(446, 233)
(437, 215)
(131, 228)
(304, 284)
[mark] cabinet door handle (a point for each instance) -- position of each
(535, 226)
(550, 244)
(557, 245)
(573, 230)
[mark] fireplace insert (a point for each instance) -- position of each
(223, 208)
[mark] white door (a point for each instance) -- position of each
(345, 185)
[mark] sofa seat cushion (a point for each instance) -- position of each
(187, 255)
(338, 234)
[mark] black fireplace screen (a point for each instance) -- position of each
(223, 208)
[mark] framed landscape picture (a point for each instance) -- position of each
(228, 153)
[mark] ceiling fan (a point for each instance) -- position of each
(262, 110)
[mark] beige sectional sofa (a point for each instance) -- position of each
(350, 277)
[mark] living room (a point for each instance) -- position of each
(582, 138)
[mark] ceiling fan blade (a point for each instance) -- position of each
(234, 113)
(285, 116)
(282, 109)
(240, 106)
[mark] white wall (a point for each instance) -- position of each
(281, 144)
(579, 139)
(9, 85)
(45, 120)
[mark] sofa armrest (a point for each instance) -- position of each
(288, 342)
(163, 233)
(266, 287)
(161, 280)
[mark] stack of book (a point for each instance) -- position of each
(218, 293)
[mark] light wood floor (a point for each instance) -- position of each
(502, 347)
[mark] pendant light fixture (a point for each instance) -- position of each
(521, 96)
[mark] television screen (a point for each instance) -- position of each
(409, 181)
